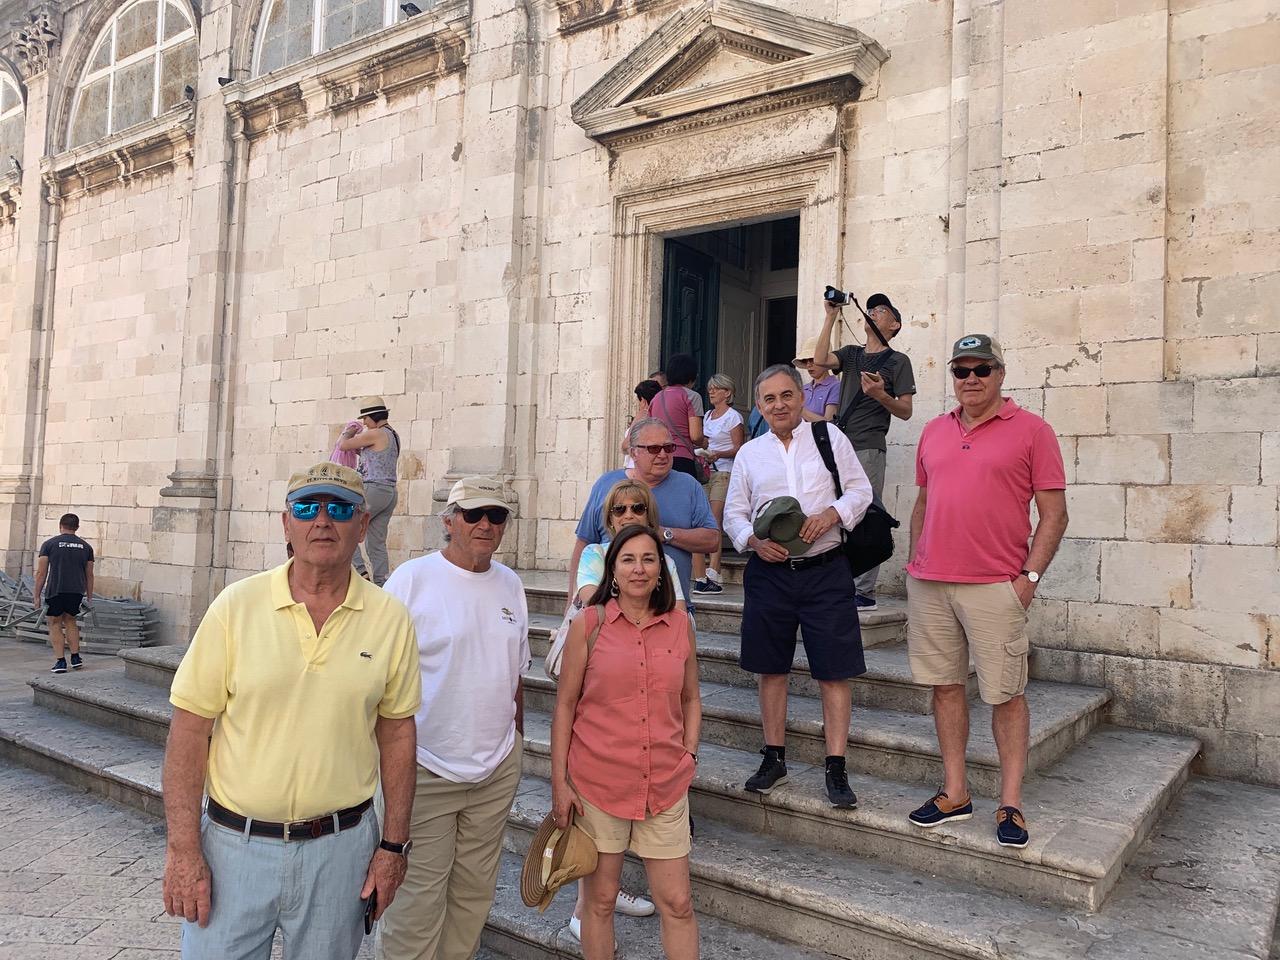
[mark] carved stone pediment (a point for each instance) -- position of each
(726, 58)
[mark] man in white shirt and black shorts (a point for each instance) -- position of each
(812, 591)
(472, 622)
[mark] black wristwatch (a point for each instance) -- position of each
(400, 848)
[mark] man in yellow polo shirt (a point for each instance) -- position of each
(299, 684)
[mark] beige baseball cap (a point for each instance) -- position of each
(471, 492)
(980, 346)
(339, 482)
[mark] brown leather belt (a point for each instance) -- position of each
(297, 830)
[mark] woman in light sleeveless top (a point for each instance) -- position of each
(379, 448)
(623, 758)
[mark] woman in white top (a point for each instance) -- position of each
(724, 435)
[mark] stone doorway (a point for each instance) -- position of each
(729, 298)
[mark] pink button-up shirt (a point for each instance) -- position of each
(627, 755)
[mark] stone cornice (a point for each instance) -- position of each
(10, 196)
(801, 60)
(149, 147)
(407, 55)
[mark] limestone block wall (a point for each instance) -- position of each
(8, 264)
(348, 288)
(115, 369)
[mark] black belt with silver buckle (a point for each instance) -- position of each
(297, 830)
(803, 563)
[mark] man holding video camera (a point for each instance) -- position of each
(878, 384)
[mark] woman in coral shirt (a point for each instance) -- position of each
(624, 740)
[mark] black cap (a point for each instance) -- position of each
(880, 300)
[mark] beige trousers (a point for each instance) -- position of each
(440, 910)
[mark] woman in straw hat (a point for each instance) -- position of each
(378, 446)
(623, 754)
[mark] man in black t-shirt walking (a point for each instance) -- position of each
(66, 568)
(878, 384)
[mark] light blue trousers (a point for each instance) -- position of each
(310, 889)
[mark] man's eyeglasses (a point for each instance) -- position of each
(981, 371)
(653, 449)
(497, 515)
(339, 511)
(639, 509)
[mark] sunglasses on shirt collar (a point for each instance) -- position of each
(339, 511)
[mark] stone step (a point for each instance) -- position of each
(858, 909)
(1205, 886)
(887, 682)
(1089, 814)
(1153, 767)
(891, 744)
(155, 665)
(547, 592)
(518, 931)
(109, 698)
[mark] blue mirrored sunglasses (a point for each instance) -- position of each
(338, 510)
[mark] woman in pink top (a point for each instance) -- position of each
(624, 740)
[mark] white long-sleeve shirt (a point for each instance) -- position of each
(765, 469)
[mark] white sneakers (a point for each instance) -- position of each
(630, 905)
(627, 904)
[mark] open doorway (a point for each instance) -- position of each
(729, 300)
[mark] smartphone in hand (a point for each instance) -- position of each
(370, 908)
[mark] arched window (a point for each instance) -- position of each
(143, 61)
(12, 119)
(292, 30)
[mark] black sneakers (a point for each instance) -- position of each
(76, 662)
(773, 771)
(839, 792)
(940, 810)
(60, 665)
(1011, 827)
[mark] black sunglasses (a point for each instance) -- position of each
(337, 510)
(639, 509)
(497, 515)
(981, 371)
(654, 449)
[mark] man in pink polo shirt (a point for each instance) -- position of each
(971, 576)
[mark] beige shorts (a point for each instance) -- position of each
(717, 487)
(947, 623)
(659, 836)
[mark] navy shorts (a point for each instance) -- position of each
(62, 604)
(818, 600)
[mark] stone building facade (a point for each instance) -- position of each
(219, 225)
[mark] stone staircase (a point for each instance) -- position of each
(1129, 857)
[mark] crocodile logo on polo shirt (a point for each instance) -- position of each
(508, 616)
(365, 654)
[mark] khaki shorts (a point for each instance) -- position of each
(717, 487)
(659, 836)
(949, 622)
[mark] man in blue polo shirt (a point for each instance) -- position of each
(686, 521)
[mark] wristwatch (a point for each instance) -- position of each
(668, 534)
(400, 848)
(1031, 575)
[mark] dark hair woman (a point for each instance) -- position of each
(681, 408)
(624, 762)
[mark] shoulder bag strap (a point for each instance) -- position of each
(595, 631)
(823, 441)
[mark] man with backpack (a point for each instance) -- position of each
(878, 384)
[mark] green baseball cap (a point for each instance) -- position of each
(780, 520)
(979, 346)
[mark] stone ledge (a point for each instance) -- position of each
(152, 146)
(409, 54)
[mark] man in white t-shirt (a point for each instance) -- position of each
(472, 624)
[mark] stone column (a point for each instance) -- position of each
(184, 535)
(22, 422)
(496, 279)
